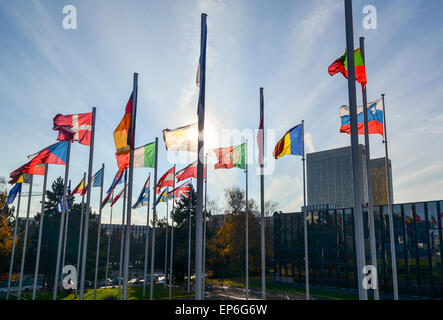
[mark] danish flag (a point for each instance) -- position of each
(74, 127)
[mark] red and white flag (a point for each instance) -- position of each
(189, 172)
(167, 180)
(74, 127)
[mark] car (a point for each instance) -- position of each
(107, 282)
(132, 281)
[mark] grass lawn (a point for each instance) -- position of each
(134, 293)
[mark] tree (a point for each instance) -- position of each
(235, 200)
(270, 207)
(6, 225)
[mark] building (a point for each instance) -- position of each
(137, 231)
(329, 178)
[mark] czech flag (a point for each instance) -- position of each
(54, 154)
(375, 118)
(291, 143)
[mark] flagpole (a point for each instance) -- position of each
(14, 240)
(204, 226)
(305, 222)
(62, 222)
(88, 207)
(25, 239)
(247, 226)
(80, 233)
(145, 269)
(154, 217)
(172, 238)
(97, 255)
(122, 241)
(262, 214)
(369, 180)
(65, 235)
(356, 170)
(166, 240)
(131, 177)
(189, 241)
(109, 246)
(201, 142)
(391, 218)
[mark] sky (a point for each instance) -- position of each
(284, 46)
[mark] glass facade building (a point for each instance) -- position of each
(331, 243)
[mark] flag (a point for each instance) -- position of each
(181, 139)
(167, 180)
(434, 221)
(122, 130)
(97, 179)
(79, 188)
(189, 172)
(21, 178)
(230, 157)
(291, 143)
(143, 198)
(109, 199)
(201, 71)
(260, 133)
(182, 190)
(54, 154)
(13, 193)
(144, 157)
(59, 206)
(118, 196)
(341, 65)
(74, 127)
(375, 118)
(116, 181)
(163, 197)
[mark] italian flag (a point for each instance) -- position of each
(144, 157)
(341, 65)
(231, 157)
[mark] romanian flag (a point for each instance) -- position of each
(189, 172)
(291, 143)
(230, 157)
(181, 139)
(121, 132)
(144, 157)
(341, 65)
(167, 180)
(375, 118)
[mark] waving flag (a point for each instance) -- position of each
(182, 190)
(121, 132)
(181, 139)
(54, 154)
(341, 65)
(116, 181)
(291, 143)
(231, 157)
(79, 189)
(74, 127)
(167, 180)
(119, 195)
(109, 199)
(163, 197)
(96, 181)
(13, 193)
(144, 157)
(375, 118)
(143, 198)
(189, 172)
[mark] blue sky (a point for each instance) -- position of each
(283, 46)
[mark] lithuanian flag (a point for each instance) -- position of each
(341, 65)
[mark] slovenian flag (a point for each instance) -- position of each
(375, 118)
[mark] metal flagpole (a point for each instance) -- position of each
(88, 207)
(122, 242)
(80, 233)
(25, 240)
(145, 269)
(109, 246)
(65, 235)
(204, 227)
(201, 142)
(131, 177)
(247, 226)
(391, 218)
(369, 180)
(166, 240)
(97, 255)
(62, 222)
(262, 215)
(14, 240)
(189, 241)
(154, 217)
(172, 239)
(356, 170)
(305, 222)
(40, 231)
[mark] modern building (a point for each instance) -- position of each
(329, 178)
